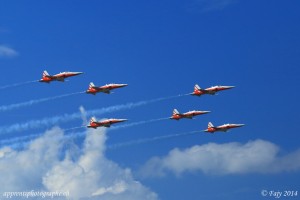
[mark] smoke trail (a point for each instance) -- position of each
(18, 140)
(36, 101)
(21, 141)
(153, 139)
(47, 122)
(137, 123)
(70, 129)
(17, 84)
(127, 106)
(83, 115)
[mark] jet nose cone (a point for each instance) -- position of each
(205, 112)
(75, 73)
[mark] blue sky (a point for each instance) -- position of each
(161, 49)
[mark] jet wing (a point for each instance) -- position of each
(99, 123)
(60, 78)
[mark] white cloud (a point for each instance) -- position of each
(257, 156)
(47, 165)
(117, 188)
(7, 52)
(23, 170)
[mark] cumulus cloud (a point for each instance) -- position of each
(23, 170)
(257, 156)
(7, 52)
(46, 165)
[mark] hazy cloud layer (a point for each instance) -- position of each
(47, 165)
(7, 52)
(257, 156)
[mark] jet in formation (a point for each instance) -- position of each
(223, 128)
(47, 78)
(104, 123)
(105, 88)
(211, 90)
(189, 115)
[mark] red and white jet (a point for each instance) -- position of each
(189, 115)
(224, 128)
(104, 123)
(105, 88)
(211, 90)
(47, 78)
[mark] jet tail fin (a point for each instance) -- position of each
(210, 125)
(93, 119)
(175, 112)
(46, 74)
(92, 85)
(197, 87)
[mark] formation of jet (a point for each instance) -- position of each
(47, 78)
(105, 88)
(223, 128)
(104, 123)
(189, 115)
(211, 90)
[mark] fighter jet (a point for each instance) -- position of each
(224, 128)
(104, 123)
(189, 115)
(105, 88)
(211, 90)
(47, 78)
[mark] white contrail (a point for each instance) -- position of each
(146, 140)
(136, 123)
(127, 106)
(47, 122)
(70, 129)
(35, 101)
(21, 141)
(17, 84)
